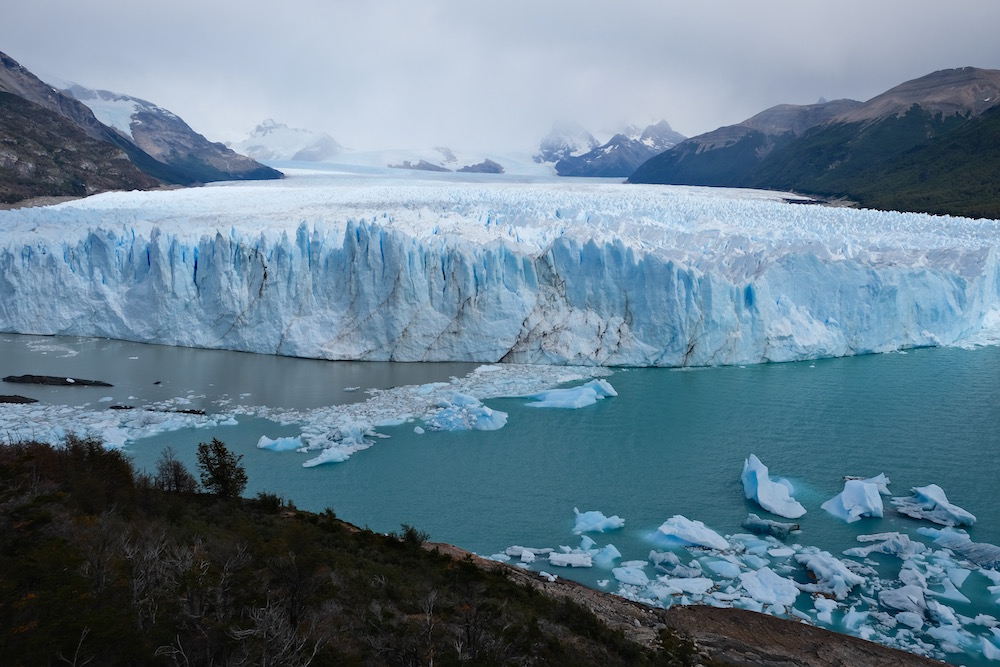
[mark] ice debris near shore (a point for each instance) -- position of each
(930, 503)
(910, 606)
(337, 266)
(774, 496)
(288, 444)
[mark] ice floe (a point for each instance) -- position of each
(573, 397)
(930, 503)
(679, 530)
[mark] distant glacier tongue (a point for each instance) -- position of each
(339, 267)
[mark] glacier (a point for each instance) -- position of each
(335, 265)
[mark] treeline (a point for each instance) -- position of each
(101, 564)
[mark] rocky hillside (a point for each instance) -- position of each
(43, 154)
(930, 145)
(188, 157)
(52, 144)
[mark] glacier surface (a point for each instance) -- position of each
(342, 266)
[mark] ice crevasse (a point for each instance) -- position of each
(529, 273)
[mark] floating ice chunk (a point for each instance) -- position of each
(910, 619)
(418, 430)
(774, 496)
(858, 499)
(831, 574)
(280, 444)
(571, 559)
(781, 552)
(603, 583)
(767, 587)
(329, 455)
(906, 598)
(930, 503)
(684, 532)
(853, 619)
(574, 397)
(527, 556)
(990, 650)
(892, 544)
(669, 563)
(690, 586)
(982, 554)
(548, 577)
(755, 524)
(724, 568)
(517, 551)
(461, 412)
(630, 575)
(607, 556)
(501, 558)
(587, 543)
(824, 609)
(595, 522)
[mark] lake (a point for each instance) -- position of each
(672, 442)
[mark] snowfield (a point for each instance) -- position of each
(419, 268)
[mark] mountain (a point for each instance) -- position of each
(565, 140)
(164, 136)
(44, 154)
(54, 144)
(275, 141)
(888, 152)
(620, 156)
(51, 145)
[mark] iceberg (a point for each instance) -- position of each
(340, 266)
(681, 531)
(930, 503)
(859, 499)
(280, 444)
(595, 522)
(774, 496)
(893, 544)
(981, 554)
(574, 397)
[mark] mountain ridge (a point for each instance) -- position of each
(860, 152)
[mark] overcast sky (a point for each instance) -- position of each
(472, 74)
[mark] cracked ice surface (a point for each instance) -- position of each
(344, 267)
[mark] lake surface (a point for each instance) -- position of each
(672, 442)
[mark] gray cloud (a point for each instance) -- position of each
(473, 74)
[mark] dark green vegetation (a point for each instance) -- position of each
(929, 145)
(913, 162)
(101, 564)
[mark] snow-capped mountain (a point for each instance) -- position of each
(273, 141)
(354, 267)
(164, 136)
(575, 152)
(565, 140)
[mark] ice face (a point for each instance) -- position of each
(342, 267)
(773, 496)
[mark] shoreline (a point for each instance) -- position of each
(727, 635)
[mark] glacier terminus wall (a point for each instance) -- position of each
(346, 267)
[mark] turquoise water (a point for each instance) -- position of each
(672, 442)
